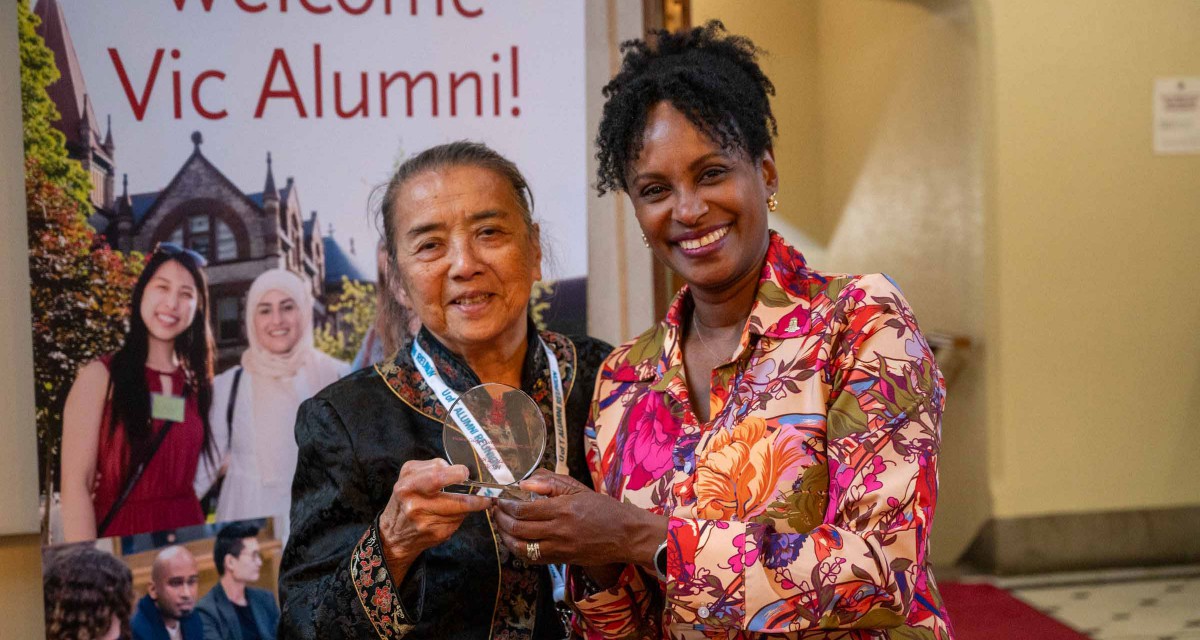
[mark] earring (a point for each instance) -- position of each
(772, 203)
(645, 242)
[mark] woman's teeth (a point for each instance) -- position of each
(476, 299)
(167, 320)
(704, 241)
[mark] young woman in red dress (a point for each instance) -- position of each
(135, 422)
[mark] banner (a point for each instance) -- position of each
(247, 137)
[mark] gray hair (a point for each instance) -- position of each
(453, 154)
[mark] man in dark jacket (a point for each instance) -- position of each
(233, 610)
(164, 613)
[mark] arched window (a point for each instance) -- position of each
(207, 235)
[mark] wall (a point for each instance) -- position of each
(1094, 317)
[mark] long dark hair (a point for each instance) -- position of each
(130, 392)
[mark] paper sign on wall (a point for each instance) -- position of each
(1177, 116)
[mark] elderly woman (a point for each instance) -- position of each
(377, 549)
(766, 457)
(254, 405)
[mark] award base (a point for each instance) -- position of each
(492, 490)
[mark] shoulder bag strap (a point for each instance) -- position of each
(237, 378)
(132, 481)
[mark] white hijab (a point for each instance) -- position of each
(279, 382)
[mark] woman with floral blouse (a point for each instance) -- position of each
(765, 458)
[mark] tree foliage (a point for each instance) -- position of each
(80, 293)
(38, 114)
(79, 288)
(353, 313)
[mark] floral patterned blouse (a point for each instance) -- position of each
(802, 510)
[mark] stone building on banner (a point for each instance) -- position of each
(241, 234)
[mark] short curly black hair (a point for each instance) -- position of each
(84, 589)
(708, 74)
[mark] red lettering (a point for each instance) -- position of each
(307, 4)
(356, 11)
(279, 60)
(249, 8)
(360, 108)
(461, 11)
(196, 103)
(386, 81)
(455, 81)
(179, 6)
(317, 79)
(138, 106)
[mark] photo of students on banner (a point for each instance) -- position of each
(254, 404)
(135, 422)
(194, 583)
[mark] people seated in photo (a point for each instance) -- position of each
(88, 594)
(254, 405)
(135, 423)
(165, 612)
(234, 610)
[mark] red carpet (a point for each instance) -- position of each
(984, 612)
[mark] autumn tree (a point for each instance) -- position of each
(79, 288)
(353, 313)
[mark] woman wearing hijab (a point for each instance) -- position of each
(254, 405)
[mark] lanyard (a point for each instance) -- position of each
(470, 427)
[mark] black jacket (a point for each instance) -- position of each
(353, 437)
(221, 620)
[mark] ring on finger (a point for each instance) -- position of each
(533, 550)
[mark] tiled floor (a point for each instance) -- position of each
(1150, 604)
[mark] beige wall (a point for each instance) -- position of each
(1095, 244)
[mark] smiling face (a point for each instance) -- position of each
(277, 322)
(465, 258)
(169, 301)
(702, 208)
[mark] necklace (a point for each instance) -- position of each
(696, 330)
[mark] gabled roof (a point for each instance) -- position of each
(198, 158)
(69, 92)
(142, 203)
(338, 263)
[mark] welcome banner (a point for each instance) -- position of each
(253, 133)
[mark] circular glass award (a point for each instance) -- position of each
(499, 434)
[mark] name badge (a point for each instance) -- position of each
(164, 407)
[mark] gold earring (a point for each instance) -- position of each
(772, 203)
(645, 242)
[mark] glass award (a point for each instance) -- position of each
(498, 433)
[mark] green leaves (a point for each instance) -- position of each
(648, 344)
(771, 295)
(846, 417)
(804, 509)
